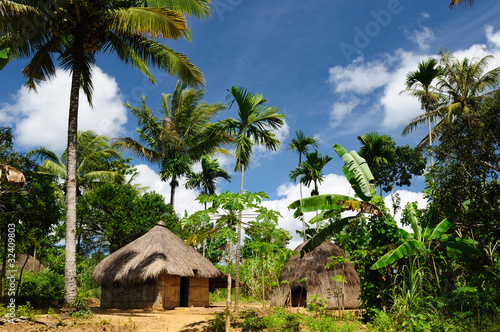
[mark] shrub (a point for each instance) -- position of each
(43, 288)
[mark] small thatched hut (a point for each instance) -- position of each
(12, 174)
(307, 276)
(27, 263)
(155, 271)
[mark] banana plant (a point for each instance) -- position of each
(424, 241)
(361, 179)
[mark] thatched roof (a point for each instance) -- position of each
(13, 174)
(152, 254)
(318, 280)
(32, 264)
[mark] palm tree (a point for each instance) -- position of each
(300, 144)
(311, 171)
(465, 84)
(206, 180)
(182, 136)
(377, 150)
(93, 157)
(75, 31)
(254, 127)
(419, 84)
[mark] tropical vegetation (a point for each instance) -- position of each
(436, 268)
(74, 32)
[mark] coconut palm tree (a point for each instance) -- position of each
(300, 144)
(206, 180)
(75, 31)
(180, 137)
(93, 157)
(419, 84)
(377, 150)
(254, 127)
(464, 85)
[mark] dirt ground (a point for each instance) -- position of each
(179, 319)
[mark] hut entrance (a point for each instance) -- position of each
(184, 300)
(299, 296)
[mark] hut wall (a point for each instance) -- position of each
(137, 296)
(171, 287)
(198, 292)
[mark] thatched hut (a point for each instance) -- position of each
(155, 271)
(12, 174)
(27, 262)
(301, 278)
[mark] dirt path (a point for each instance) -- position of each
(177, 320)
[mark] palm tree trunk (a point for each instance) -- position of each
(238, 250)
(302, 217)
(70, 287)
(228, 298)
(172, 192)
(430, 134)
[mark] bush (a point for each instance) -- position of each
(43, 288)
(281, 320)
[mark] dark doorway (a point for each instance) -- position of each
(299, 296)
(184, 301)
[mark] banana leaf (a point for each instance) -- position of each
(408, 247)
(438, 231)
(4, 57)
(318, 203)
(325, 233)
(357, 173)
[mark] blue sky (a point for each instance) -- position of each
(335, 68)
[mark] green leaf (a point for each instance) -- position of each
(357, 173)
(404, 249)
(4, 57)
(318, 203)
(334, 228)
(438, 231)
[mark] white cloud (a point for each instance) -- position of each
(341, 109)
(381, 80)
(184, 198)
(422, 37)
(41, 119)
(406, 197)
(359, 77)
(492, 37)
(291, 192)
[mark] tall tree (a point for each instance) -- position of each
(206, 179)
(75, 31)
(377, 150)
(419, 84)
(464, 85)
(254, 127)
(180, 137)
(300, 144)
(311, 170)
